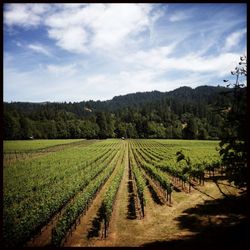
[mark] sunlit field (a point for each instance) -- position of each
(47, 195)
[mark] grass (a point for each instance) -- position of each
(180, 225)
(31, 145)
(161, 224)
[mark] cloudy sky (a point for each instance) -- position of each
(76, 52)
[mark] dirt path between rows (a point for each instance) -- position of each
(159, 224)
(44, 238)
(132, 232)
(119, 219)
(79, 235)
(160, 221)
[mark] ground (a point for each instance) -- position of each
(191, 216)
(210, 216)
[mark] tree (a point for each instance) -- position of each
(26, 127)
(88, 129)
(202, 134)
(110, 118)
(52, 130)
(62, 131)
(103, 125)
(11, 127)
(177, 130)
(233, 145)
(131, 131)
(140, 115)
(190, 131)
(156, 130)
(142, 127)
(120, 131)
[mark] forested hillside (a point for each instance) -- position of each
(183, 113)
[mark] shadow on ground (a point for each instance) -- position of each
(154, 195)
(219, 223)
(94, 231)
(131, 214)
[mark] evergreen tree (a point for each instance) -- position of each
(190, 131)
(11, 127)
(131, 131)
(140, 115)
(233, 145)
(102, 123)
(25, 128)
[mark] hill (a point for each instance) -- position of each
(181, 113)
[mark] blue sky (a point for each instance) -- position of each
(76, 52)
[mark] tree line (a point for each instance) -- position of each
(184, 113)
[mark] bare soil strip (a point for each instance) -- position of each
(134, 206)
(119, 219)
(79, 236)
(156, 188)
(160, 222)
(44, 238)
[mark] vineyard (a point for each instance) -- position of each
(85, 192)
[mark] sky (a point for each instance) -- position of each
(80, 52)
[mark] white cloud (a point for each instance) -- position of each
(38, 48)
(72, 84)
(80, 28)
(161, 60)
(178, 16)
(99, 26)
(119, 49)
(70, 38)
(117, 23)
(26, 15)
(151, 58)
(72, 5)
(233, 39)
(63, 70)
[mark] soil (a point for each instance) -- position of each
(161, 222)
(79, 236)
(189, 217)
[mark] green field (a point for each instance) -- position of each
(62, 184)
(32, 145)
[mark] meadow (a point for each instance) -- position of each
(103, 192)
(32, 145)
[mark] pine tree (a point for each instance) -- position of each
(233, 145)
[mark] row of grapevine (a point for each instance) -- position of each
(38, 185)
(154, 173)
(25, 218)
(62, 184)
(139, 180)
(181, 172)
(193, 170)
(81, 203)
(110, 196)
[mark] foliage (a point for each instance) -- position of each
(32, 145)
(64, 182)
(233, 145)
(183, 113)
(109, 198)
(36, 189)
